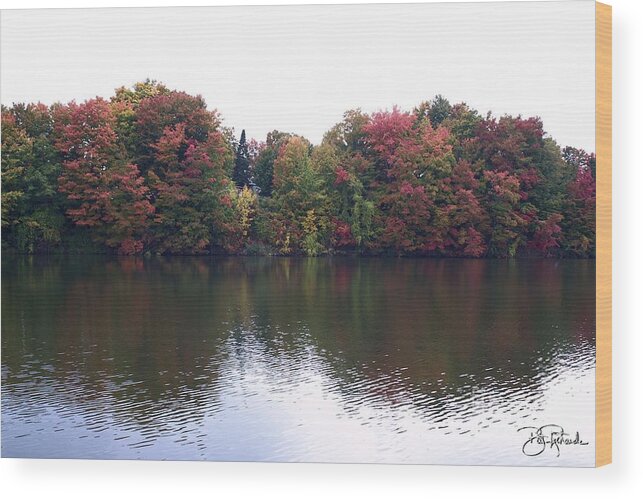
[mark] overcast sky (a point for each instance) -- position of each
(298, 69)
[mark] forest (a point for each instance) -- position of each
(153, 171)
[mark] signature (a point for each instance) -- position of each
(549, 436)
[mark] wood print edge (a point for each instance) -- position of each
(603, 234)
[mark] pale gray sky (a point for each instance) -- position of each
(298, 69)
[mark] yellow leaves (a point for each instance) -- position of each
(246, 205)
(9, 201)
(309, 225)
(285, 245)
(12, 174)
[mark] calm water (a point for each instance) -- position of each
(277, 359)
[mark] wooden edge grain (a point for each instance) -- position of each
(603, 234)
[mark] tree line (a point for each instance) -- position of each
(152, 170)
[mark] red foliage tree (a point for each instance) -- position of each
(163, 111)
(461, 213)
(579, 211)
(410, 159)
(105, 192)
(191, 190)
(547, 235)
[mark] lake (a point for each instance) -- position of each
(298, 359)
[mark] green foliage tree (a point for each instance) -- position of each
(32, 218)
(578, 208)
(241, 172)
(264, 161)
(435, 111)
(301, 211)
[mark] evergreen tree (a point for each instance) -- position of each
(241, 172)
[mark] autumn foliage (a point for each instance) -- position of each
(153, 170)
